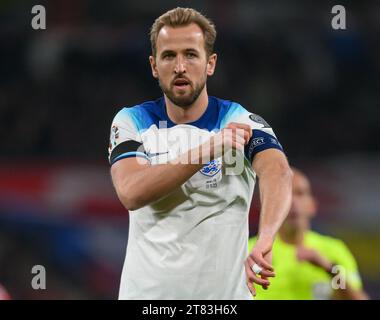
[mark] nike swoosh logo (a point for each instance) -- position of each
(155, 154)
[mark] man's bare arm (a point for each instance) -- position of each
(314, 257)
(275, 181)
(138, 183)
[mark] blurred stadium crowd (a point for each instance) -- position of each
(61, 87)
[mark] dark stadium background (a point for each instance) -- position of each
(61, 87)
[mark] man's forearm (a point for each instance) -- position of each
(154, 182)
(348, 293)
(151, 183)
(275, 195)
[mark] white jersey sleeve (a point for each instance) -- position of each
(125, 140)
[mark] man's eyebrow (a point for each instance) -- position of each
(191, 50)
(167, 51)
(172, 51)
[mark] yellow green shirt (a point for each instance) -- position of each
(296, 280)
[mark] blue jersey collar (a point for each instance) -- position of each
(208, 119)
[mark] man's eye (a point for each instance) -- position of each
(169, 56)
(191, 55)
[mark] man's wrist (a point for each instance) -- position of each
(266, 236)
(189, 158)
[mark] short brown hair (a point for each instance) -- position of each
(183, 17)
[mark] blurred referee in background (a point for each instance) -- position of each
(304, 260)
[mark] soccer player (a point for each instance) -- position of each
(304, 260)
(172, 167)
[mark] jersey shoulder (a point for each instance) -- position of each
(142, 115)
(321, 240)
(235, 112)
(333, 248)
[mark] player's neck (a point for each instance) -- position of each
(192, 113)
(292, 236)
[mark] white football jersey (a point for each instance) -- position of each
(191, 244)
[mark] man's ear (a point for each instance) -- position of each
(314, 207)
(153, 65)
(211, 64)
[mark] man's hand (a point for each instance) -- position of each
(261, 255)
(245, 129)
(233, 136)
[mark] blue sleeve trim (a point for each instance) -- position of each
(260, 141)
(129, 155)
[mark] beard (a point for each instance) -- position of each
(186, 100)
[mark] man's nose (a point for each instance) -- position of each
(180, 65)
